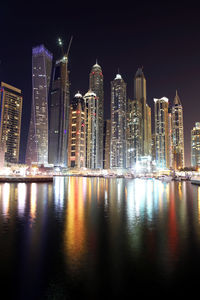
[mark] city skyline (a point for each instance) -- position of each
(165, 42)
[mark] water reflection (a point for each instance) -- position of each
(95, 231)
(22, 190)
(33, 201)
(74, 234)
(6, 199)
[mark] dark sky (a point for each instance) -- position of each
(164, 39)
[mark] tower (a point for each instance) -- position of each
(92, 142)
(10, 122)
(76, 143)
(37, 147)
(144, 113)
(59, 113)
(161, 132)
(96, 85)
(177, 134)
(118, 123)
(195, 145)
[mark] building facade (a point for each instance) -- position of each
(161, 133)
(37, 146)
(106, 152)
(195, 145)
(59, 114)
(76, 138)
(96, 85)
(134, 129)
(140, 96)
(10, 122)
(118, 123)
(177, 134)
(92, 141)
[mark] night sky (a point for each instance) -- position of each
(165, 40)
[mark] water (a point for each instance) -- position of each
(95, 238)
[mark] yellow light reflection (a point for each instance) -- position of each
(75, 226)
(21, 198)
(33, 200)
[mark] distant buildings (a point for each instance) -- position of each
(59, 114)
(195, 145)
(118, 123)
(10, 123)
(37, 146)
(77, 126)
(96, 85)
(161, 133)
(177, 134)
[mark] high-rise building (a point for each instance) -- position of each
(59, 114)
(96, 85)
(118, 123)
(76, 139)
(134, 129)
(106, 152)
(195, 145)
(10, 122)
(140, 96)
(92, 142)
(170, 142)
(37, 147)
(161, 133)
(177, 134)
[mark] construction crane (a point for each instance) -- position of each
(60, 43)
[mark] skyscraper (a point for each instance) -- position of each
(170, 142)
(37, 147)
(96, 85)
(195, 145)
(106, 154)
(140, 96)
(59, 113)
(92, 141)
(161, 132)
(134, 136)
(118, 123)
(76, 143)
(10, 122)
(177, 134)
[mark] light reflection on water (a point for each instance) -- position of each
(94, 232)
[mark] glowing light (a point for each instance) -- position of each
(33, 200)
(6, 198)
(21, 198)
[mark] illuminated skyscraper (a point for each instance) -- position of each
(195, 145)
(37, 147)
(107, 132)
(177, 133)
(170, 142)
(76, 143)
(96, 85)
(134, 129)
(140, 96)
(161, 133)
(10, 122)
(59, 114)
(92, 146)
(118, 123)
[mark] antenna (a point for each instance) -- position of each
(70, 42)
